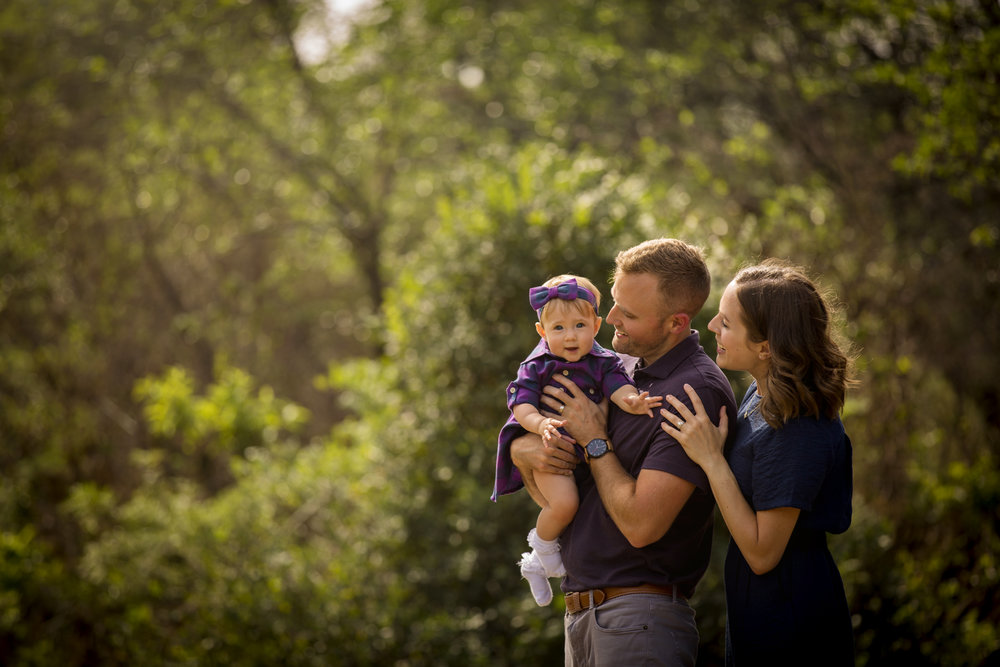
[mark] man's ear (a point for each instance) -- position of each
(680, 322)
(540, 329)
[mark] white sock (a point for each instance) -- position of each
(533, 571)
(547, 552)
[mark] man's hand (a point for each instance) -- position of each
(530, 454)
(643, 507)
(584, 419)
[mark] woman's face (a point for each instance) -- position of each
(736, 352)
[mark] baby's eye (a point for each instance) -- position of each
(580, 325)
(558, 327)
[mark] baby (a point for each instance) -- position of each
(568, 320)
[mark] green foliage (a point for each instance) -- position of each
(230, 415)
(196, 219)
(944, 547)
(199, 434)
(958, 506)
(37, 602)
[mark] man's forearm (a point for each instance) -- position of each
(643, 509)
(616, 488)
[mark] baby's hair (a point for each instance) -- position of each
(582, 305)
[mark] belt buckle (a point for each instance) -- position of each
(577, 601)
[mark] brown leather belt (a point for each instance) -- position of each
(578, 601)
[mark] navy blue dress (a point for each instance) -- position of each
(796, 614)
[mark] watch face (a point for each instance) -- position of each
(597, 448)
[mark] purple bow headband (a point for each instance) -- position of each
(568, 291)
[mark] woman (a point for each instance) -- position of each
(788, 479)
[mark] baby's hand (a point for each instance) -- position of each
(641, 403)
(550, 431)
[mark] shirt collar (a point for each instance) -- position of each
(664, 366)
(542, 350)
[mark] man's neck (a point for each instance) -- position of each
(671, 341)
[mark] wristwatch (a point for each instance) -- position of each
(597, 448)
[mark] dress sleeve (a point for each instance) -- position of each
(526, 387)
(789, 469)
(613, 376)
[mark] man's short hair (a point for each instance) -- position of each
(680, 270)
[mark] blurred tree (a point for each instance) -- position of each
(184, 191)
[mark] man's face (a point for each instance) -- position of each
(640, 317)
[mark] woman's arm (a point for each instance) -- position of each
(761, 536)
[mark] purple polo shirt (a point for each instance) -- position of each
(594, 551)
(599, 373)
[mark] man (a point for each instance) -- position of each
(641, 538)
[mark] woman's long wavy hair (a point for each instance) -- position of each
(809, 373)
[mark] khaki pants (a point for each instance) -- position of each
(639, 629)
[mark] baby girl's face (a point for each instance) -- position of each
(569, 329)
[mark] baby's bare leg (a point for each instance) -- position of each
(561, 502)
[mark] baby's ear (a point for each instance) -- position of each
(540, 329)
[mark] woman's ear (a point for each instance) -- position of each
(764, 352)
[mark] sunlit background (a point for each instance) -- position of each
(263, 277)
